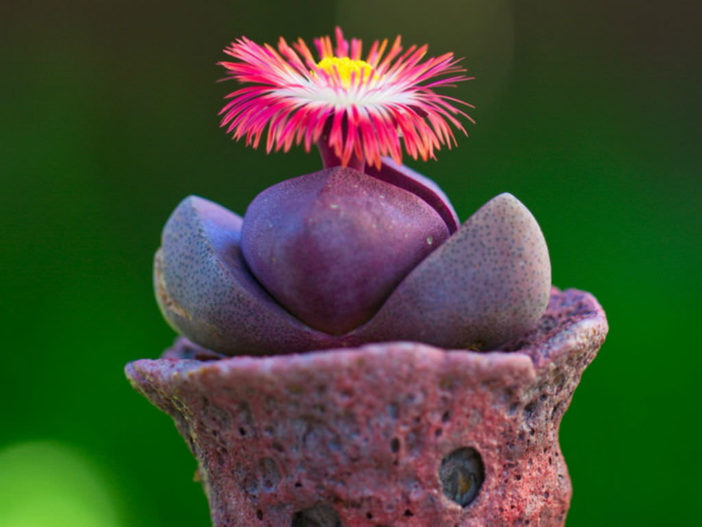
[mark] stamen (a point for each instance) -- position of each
(347, 69)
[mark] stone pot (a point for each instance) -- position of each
(386, 434)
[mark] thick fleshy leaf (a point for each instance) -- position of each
(331, 246)
(488, 284)
(206, 292)
(419, 185)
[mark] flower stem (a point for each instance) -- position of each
(330, 159)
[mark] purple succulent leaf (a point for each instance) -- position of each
(487, 284)
(418, 184)
(332, 245)
(206, 292)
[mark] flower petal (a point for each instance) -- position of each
(206, 292)
(487, 284)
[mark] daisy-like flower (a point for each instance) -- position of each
(355, 110)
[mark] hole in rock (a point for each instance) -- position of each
(395, 444)
(461, 474)
(530, 409)
(321, 515)
(269, 473)
(556, 410)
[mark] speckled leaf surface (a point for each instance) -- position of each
(206, 292)
(487, 284)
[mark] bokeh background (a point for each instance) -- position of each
(588, 111)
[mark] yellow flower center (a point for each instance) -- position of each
(347, 67)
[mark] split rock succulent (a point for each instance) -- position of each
(340, 258)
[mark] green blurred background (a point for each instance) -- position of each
(588, 111)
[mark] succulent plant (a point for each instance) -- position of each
(365, 250)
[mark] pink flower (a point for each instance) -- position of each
(356, 110)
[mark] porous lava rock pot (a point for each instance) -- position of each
(391, 434)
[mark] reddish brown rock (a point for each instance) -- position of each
(390, 434)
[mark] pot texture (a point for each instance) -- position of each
(386, 434)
